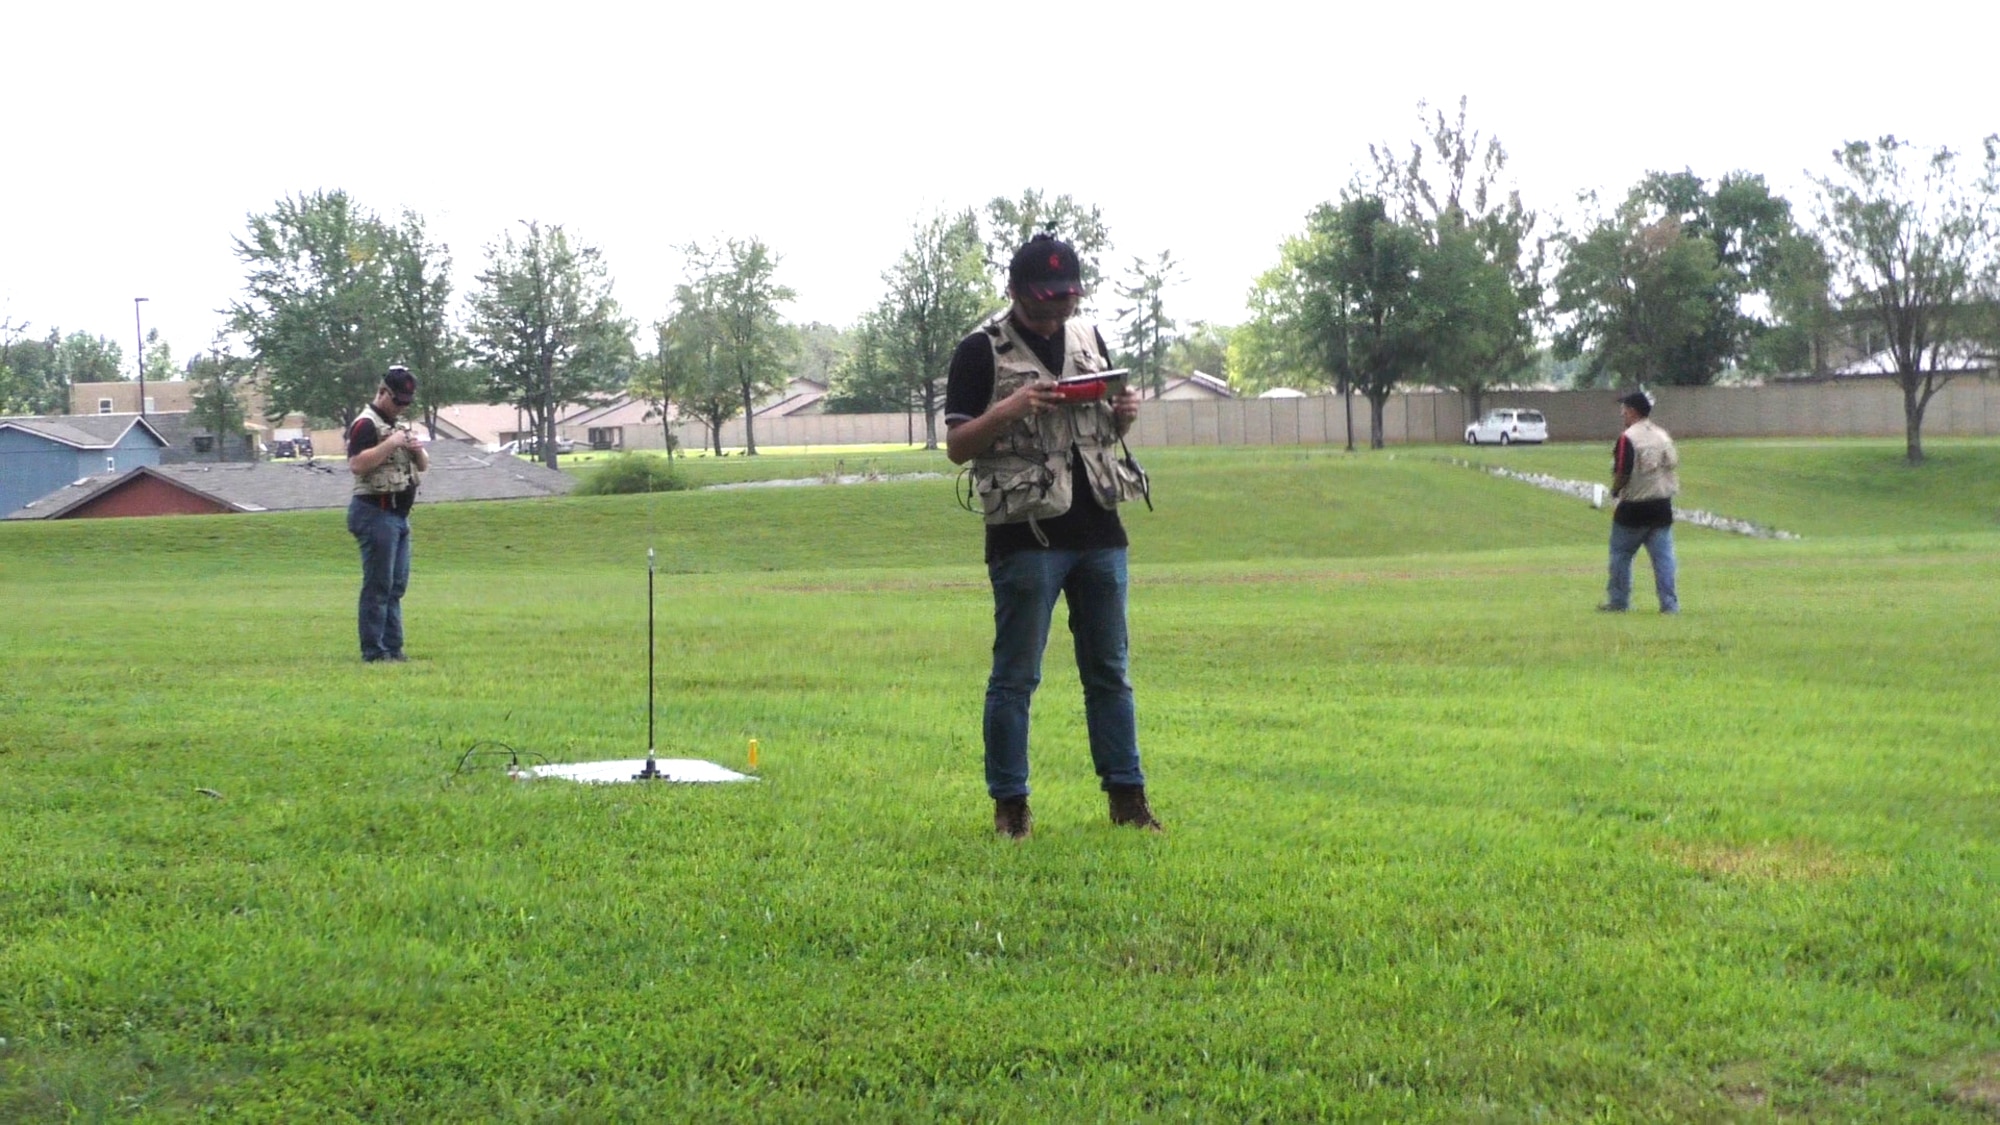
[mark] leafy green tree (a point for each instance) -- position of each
(867, 382)
(544, 327)
(315, 304)
(751, 344)
(818, 351)
(1486, 264)
(680, 355)
(1204, 347)
(160, 364)
(83, 358)
(1805, 316)
(1012, 222)
(1660, 286)
(1148, 330)
(935, 293)
(1347, 306)
(418, 307)
(1640, 301)
(32, 381)
(218, 403)
(707, 388)
(1914, 246)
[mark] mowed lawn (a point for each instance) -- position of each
(1444, 844)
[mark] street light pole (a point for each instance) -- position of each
(142, 353)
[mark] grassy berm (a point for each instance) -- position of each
(1444, 844)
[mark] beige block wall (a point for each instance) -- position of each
(1965, 407)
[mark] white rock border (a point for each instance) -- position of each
(1596, 494)
(806, 482)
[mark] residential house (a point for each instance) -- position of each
(459, 471)
(39, 455)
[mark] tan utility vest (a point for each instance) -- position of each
(397, 471)
(1654, 462)
(1025, 474)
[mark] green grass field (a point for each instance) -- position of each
(1444, 844)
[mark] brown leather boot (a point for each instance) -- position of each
(1011, 817)
(1128, 807)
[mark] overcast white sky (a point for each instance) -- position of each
(139, 137)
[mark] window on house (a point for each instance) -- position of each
(204, 443)
(104, 406)
(150, 408)
(111, 464)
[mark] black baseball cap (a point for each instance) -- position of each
(1046, 268)
(1639, 401)
(402, 385)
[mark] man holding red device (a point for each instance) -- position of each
(1046, 467)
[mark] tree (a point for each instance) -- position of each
(82, 358)
(32, 380)
(1346, 304)
(1148, 331)
(315, 304)
(1486, 265)
(866, 382)
(675, 368)
(544, 328)
(418, 307)
(160, 364)
(1802, 308)
(707, 389)
(1913, 247)
(1012, 222)
(1204, 347)
(1640, 298)
(1662, 283)
(751, 341)
(937, 292)
(218, 405)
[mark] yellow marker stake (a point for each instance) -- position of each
(753, 753)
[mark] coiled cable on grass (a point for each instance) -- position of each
(494, 748)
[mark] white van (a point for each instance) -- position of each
(1506, 427)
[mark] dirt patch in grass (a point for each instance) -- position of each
(1769, 860)
(1981, 1089)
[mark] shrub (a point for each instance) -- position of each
(631, 472)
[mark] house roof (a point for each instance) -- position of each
(619, 410)
(82, 431)
(1200, 383)
(1950, 359)
(459, 471)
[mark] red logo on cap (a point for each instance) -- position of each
(1055, 261)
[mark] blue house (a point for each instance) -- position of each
(40, 455)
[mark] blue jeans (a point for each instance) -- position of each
(385, 573)
(1659, 544)
(1025, 585)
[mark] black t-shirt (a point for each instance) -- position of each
(1637, 513)
(363, 435)
(969, 391)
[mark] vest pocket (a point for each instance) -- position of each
(1013, 488)
(1114, 479)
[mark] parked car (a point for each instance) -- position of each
(1506, 427)
(529, 447)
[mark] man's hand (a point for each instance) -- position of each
(1126, 405)
(1027, 399)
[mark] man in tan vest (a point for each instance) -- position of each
(1645, 478)
(386, 457)
(1046, 467)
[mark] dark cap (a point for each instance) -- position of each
(1639, 401)
(402, 385)
(1045, 269)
